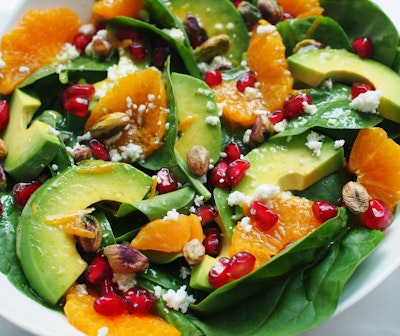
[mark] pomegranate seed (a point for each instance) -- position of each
(110, 304)
(159, 56)
(363, 47)
(377, 216)
(107, 285)
(232, 151)
(212, 242)
(240, 264)
(218, 176)
(78, 105)
(124, 33)
(166, 181)
(217, 276)
(294, 106)
(207, 213)
(358, 88)
(196, 33)
(236, 171)
(84, 90)
(245, 81)
(22, 191)
(276, 116)
(237, 2)
(4, 114)
(98, 270)
(138, 49)
(213, 78)
(140, 300)
(264, 218)
(99, 150)
(324, 210)
(80, 41)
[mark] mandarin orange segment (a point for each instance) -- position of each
(296, 220)
(143, 97)
(302, 8)
(169, 234)
(375, 160)
(106, 9)
(27, 48)
(81, 314)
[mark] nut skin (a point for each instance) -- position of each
(102, 48)
(198, 160)
(270, 10)
(110, 125)
(261, 130)
(91, 224)
(250, 13)
(125, 259)
(81, 154)
(355, 197)
(217, 45)
(194, 251)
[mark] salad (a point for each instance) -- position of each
(165, 172)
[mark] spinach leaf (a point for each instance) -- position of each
(333, 112)
(365, 18)
(301, 301)
(322, 29)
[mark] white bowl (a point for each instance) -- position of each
(38, 320)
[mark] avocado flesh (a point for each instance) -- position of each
(31, 148)
(48, 256)
(314, 66)
(289, 164)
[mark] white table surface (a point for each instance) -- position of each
(377, 314)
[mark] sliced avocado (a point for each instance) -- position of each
(290, 164)
(30, 148)
(314, 66)
(48, 255)
(199, 276)
(217, 17)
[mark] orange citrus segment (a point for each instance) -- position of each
(296, 220)
(108, 9)
(266, 57)
(143, 97)
(301, 8)
(35, 42)
(375, 160)
(81, 314)
(169, 234)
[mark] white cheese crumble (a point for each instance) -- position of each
(212, 120)
(238, 198)
(265, 29)
(157, 291)
(280, 126)
(338, 144)
(252, 93)
(368, 101)
(87, 29)
(216, 63)
(310, 108)
(266, 191)
(327, 84)
(124, 281)
(246, 136)
(178, 300)
(198, 200)
(176, 34)
(68, 52)
(184, 272)
(172, 215)
(245, 223)
(314, 142)
(131, 152)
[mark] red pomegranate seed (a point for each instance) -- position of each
(4, 114)
(159, 56)
(217, 276)
(213, 78)
(98, 270)
(166, 181)
(78, 105)
(140, 300)
(245, 81)
(218, 177)
(276, 116)
(236, 171)
(207, 213)
(264, 218)
(22, 191)
(363, 47)
(236, 2)
(80, 41)
(358, 88)
(240, 264)
(138, 49)
(99, 150)
(124, 33)
(232, 151)
(294, 106)
(110, 304)
(196, 33)
(212, 242)
(85, 90)
(324, 210)
(377, 216)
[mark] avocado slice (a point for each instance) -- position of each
(223, 19)
(48, 255)
(290, 164)
(30, 148)
(314, 66)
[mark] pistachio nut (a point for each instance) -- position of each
(217, 45)
(198, 160)
(125, 259)
(91, 224)
(110, 125)
(194, 251)
(355, 197)
(261, 130)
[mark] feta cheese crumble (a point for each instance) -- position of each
(367, 102)
(178, 300)
(212, 120)
(314, 142)
(172, 215)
